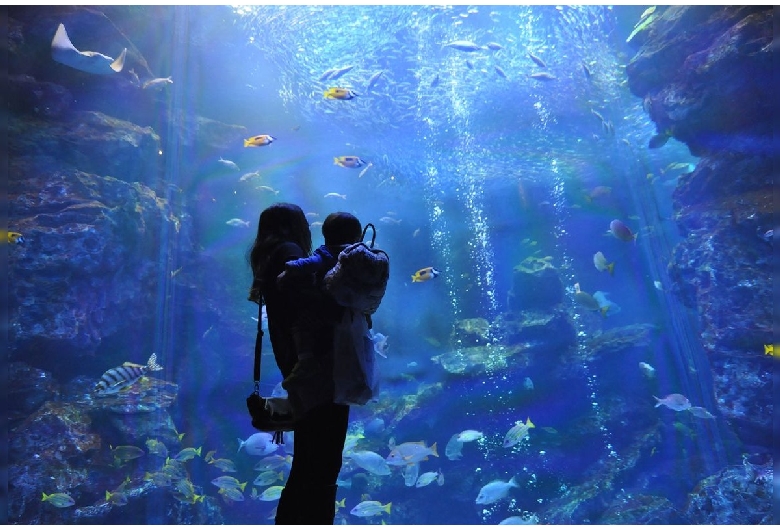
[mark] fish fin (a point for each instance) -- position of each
(433, 450)
(152, 365)
(133, 365)
(119, 62)
(246, 143)
(61, 41)
(611, 268)
(603, 311)
(529, 423)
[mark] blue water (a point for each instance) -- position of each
(474, 175)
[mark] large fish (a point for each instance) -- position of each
(410, 452)
(495, 491)
(117, 379)
(63, 51)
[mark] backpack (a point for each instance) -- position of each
(357, 282)
(359, 278)
(354, 360)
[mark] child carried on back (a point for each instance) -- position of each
(311, 381)
(340, 230)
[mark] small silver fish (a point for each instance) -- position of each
(236, 222)
(335, 196)
(701, 412)
(247, 176)
(326, 74)
(229, 164)
(373, 80)
(648, 370)
(463, 45)
(363, 171)
(537, 60)
(157, 82)
(338, 72)
(543, 76)
(676, 402)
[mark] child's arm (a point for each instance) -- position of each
(299, 267)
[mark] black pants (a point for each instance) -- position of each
(309, 497)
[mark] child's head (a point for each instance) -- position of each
(341, 228)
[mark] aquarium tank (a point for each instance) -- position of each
(577, 207)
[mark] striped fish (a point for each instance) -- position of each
(119, 378)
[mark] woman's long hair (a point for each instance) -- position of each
(280, 222)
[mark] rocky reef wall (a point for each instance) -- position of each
(108, 247)
(705, 76)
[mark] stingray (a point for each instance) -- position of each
(63, 51)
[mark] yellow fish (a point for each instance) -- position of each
(348, 161)
(587, 301)
(15, 238)
(339, 93)
(769, 349)
(423, 275)
(116, 497)
(518, 432)
(60, 500)
(259, 140)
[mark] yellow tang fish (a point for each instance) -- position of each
(259, 140)
(340, 93)
(348, 161)
(15, 238)
(423, 275)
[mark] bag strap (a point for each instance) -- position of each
(373, 237)
(258, 349)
